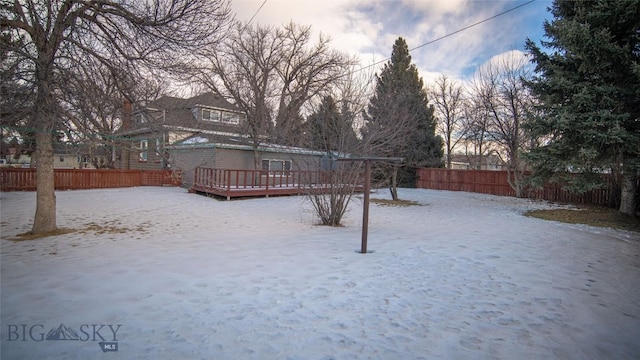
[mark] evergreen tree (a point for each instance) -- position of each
(331, 129)
(589, 87)
(399, 121)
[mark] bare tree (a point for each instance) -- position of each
(447, 95)
(158, 34)
(271, 74)
(501, 91)
(93, 98)
(476, 123)
(332, 128)
(244, 71)
(308, 72)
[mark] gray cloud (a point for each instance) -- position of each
(368, 28)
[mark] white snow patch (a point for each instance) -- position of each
(464, 276)
(195, 140)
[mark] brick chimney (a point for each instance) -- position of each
(127, 117)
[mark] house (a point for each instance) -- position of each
(148, 129)
(17, 158)
(80, 156)
(204, 131)
(65, 156)
(475, 162)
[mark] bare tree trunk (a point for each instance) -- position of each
(60, 39)
(628, 203)
(514, 174)
(45, 217)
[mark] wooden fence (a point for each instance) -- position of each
(495, 183)
(15, 179)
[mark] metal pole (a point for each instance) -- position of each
(365, 210)
(367, 190)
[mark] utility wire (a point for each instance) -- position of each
(254, 14)
(453, 33)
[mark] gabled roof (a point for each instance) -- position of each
(208, 99)
(144, 130)
(174, 111)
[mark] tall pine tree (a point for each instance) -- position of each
(399, 122)
(330, 129)
(589, 87)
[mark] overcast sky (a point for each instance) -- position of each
(368, 28)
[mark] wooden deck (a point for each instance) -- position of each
(230, 183)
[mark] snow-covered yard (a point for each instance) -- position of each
(158, 273)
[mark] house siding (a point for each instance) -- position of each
(188, 159)
(62, 161)
(131, 153)
(234, 159)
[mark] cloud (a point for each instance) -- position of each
(369, 28)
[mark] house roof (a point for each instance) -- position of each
(208, 99)
(154, 129)
(169, 110)
(203, 140)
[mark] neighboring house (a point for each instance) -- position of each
(66, 156)
(168, 120)
(202, 131)
(16, 158)
(475, 162)
(73, 156)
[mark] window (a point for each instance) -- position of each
(210, 115)
(276, 165)
(61, 158)
(157, 146)
(230, 118)
(144, 146)
(220, 116)
(140, 119)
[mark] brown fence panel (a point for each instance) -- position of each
(481, 181)
(12, 179)
(495, 183)
(15, 179)
(160, 178)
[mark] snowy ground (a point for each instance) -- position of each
(464, 276)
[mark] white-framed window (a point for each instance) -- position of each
(157, 146)
(220, 116)
(210, 115)
(230, 118)
(276, 165)
(140, 118)
(144, 148)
